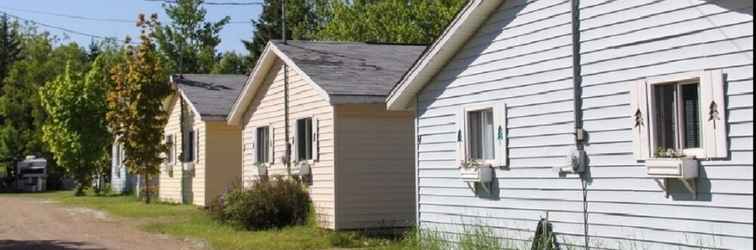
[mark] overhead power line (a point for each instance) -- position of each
(90, 35)
(87, 18)
(213, 3)
(70, 16)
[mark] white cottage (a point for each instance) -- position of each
(316, 110)
(629, 124)
(120, 179)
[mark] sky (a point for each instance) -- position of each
(50, 11)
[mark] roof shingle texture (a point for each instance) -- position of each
(212, 95)
(352, 69)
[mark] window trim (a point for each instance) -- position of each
(188, 148)
(500, 147)
(678, 80)
(259, 146)
(466, 134)
(196, 145)
(296, 138)
(170, 140)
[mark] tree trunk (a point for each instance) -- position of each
(147, 194)
(79, 190)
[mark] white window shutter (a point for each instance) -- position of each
(713, 114)
(174, 151)
(294, 146)
(196, 148)
(640, 118)
(500, 134)
(315, 139)
(460, 137)
(271, 144)
(252, 149)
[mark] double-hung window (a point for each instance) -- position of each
(304, 139)
(684, 113)
(263, 140)
(677, 123)
(481, 134)
(189, 146)
(170, 157)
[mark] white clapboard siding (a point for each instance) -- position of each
(374, 174)
(182, 187)
(267, 109)
(522, 57)
(170, 185)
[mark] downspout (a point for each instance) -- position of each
(286, 118)
(578, 111)
(286, 92)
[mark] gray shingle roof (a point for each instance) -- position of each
(212, 95)
(352, 69)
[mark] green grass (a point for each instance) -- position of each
(185, 221)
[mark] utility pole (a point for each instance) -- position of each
(283, 21)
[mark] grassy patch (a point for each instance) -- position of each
(190, 222)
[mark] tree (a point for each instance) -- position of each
(389, 21)
(75, 130)
(21, 131)
(303, 20)
(189, 43)
(135, 104)
(10, 49)
(230, 63)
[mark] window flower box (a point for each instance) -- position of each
(681, 168)
(671, 165)
(262, 169)
(475, 174)
(482, 174)
(301, 168)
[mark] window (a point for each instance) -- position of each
(189, 146)
(683, 112)
(481, 136)
(676, 119)
(196, 146)
(117, 154)
(170, 158)
(263, 140)
(304, 139)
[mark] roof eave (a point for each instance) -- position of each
(464, 26)
(270, 53)
(250, 88)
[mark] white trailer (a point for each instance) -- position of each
(31, 175)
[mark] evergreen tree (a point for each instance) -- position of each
(10, 49)
(189, 43)
(304, 18)
(135, 105)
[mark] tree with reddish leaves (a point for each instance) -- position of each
(136, 115)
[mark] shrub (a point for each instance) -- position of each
(265, 204)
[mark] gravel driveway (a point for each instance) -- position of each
(34, 224)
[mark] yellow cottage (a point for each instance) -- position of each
(316, 109)
(205, 151)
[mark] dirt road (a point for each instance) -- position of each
(35, 224)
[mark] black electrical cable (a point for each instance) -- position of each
(214, 3)
(94, 36)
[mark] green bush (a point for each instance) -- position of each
(265, 204)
